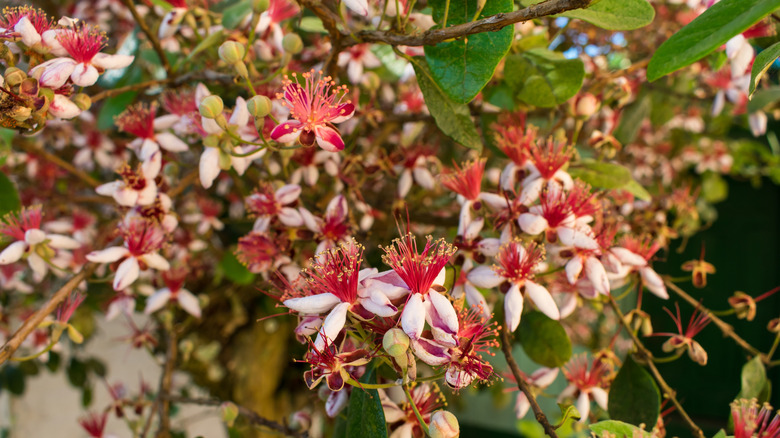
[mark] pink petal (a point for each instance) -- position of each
(332, 325)
(84, 75)
(344, 112)
(413, 316)
(329, 139)
(313, 304)
(126, 274)
(542, 298)
(286, 132)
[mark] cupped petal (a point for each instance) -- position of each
(653, 282)
(290, 217)
(600, 396)
(27, 31)
(84, 75)
(329, 139)
(188, 302)
(572, 237)
(532, 224)
(157, 301)
(313, 304)
(126, 273)
(542, 298)
(513, 307)
(156, 261)
(170, 142)
(13, 252)
(343, 112)
(108, 255)
(111, 62)
(286, 132)
(208, 167)
(288, 194)
(430, 352)
(442, 315)
(59, 241)
(413, 316)
(332, 326)
(484, 276)
(597, 275)
(573, 269)
(628, 257)
(56, 72)
(63, 108)
(583, 406)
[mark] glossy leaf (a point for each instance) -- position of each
(617, 428)
(454, 119)
(616, 14)
(9, 196)
(707, 32)
(761, 64)
(13, 379)
(235, 271)
(463, 66)
(544, 78)
(633, 396)
(721, 434)
(602, 175)
(763, 98)
(637, 190)
(631, 120)
(544, 340)
(112, 107)
(235, 14)
(568, 412)
(365, 417)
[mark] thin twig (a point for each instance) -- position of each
(724, 327)
(166, 380)
(506, 347)
(48, 156)
(647, 356)
(249, 414)
(31, 323)
(139, 86)
(183, 183)
(150, 35)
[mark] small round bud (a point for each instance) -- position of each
(587, 105)
(444, 425)
(259, 106)
(774, 325)
(229, 412)
(395, 342)
(20, 113)
(260, 6)
(300, 420)
(744, 305)
(232, 52)
(211, 107)
(82, 101)
(292, 43)
(14, 76)
(371, 81)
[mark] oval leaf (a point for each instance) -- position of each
(9, 197)
(634, 397)
(544, 78)
(602, 175)
(753, 379)
(544, 340)
(761, 64)
(365, 416)
(462, 67)
(706, 33)
(616, 14)
(234, 270)
(617, 428)
(454, 119)
(235, 14)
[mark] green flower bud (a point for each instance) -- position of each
(443, 425)
(395, 342)
(292, 43)
(232, 52)
(14, 76)
(82, 101)
(20, 113)
(229, 413)
(211, 107)
(260, 6)
(259, 106)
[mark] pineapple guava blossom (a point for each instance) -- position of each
(139, 120)
(314, 108)
(634, 254)
(586, 384)
(143, 238)
(466, 181)
(683, 340)
(476, 335)
(546, 170)
(541, 378)
(268, 204)
(30, 241)
(336, 367)
(137, 187)
(174, 280)
(751, 422)
(28, 22)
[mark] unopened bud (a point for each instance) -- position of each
(259, 106)
(697, 353)
(260, 6)
(744, 305)
(225, 162)
(774, 325)
(20, 113)
(395, 342)
(443, 425)
(640, 321)
(82, 101)
(229, 413)
(587, 105)
(232, 52)
(14, 76)
(300, 420)
(292, 43)
(211, 107)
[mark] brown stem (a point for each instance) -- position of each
(48, 156)
(166, 379)
(249, 414)
(183, 183)
(149, 34)
(647, 356)
(506, 347)
(139, 86)
(31, 323)
(727, 329)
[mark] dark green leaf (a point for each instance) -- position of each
(763, 98)
(602, 175)
(54, 361)
(9, 197)
(454, 119)
(235, 271)
(340, 426)
(753, 379)
(706, 33)
(462, 67)
(616, 14)
(97, 367)
(631, 120)
(235, 14)
(544, 340)
(112, 107)
(637, 190)
(14, 379)
(365, 416)
(761, 64)
(633, 396)
(86, 396)
(617, 428)
(29, 367)
(77, 372)
(544, 78)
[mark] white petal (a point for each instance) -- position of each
(38, 265)
(332, 325)
(475, 298)
(126, 273)
(513, 307)
(290, 217)
(13, 252)
(188, 302)
(600, 396)
(110, 62)
(26, 30)
(597, 275)
(653, 282)
(573, 269)
(108, 255)
(531, 223)
(628, 257)
(84, 75)
(444, 309)
(108, 189)
(404, 184)
(583, 406)
(209, 167)
(34, 236)
(572, 237)
(62, 242)
(424, 178)
(358, 6)
(413, 316)
(157, 301)
(493, 200)
(484, 276)
(156, 261)
(542, 298)
(313, 304)
(288, 194)
(170, 142)
(56, 72)
(63, 108)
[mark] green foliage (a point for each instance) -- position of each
(235, 14)
(9, 196)
(616, 14)
(568, 412)
(12, 379)
(234, 270)
(544, 340)
(706, 33)
(754, 381)
(454, 119)
(608, 176)
(544, 78)
(761, 64)
(365, 417)
(617, 428)
(112, 107)
(763, 98)
(462, 67)
(631, 121)
(633, 396)
(215, 38)
(714, 188)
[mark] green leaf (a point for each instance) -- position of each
(616, 14)
(544, 78)
(753, 379)
(9, 197)
(544, 340)
(763, 98)
(235, 14)
(312, 24)
(366, 418)
(602, 175)
(637, 190)
(706, 33)
(567, 412)
(462, 67)
(234, 270)
(211, 40)
(721, 434)
(761, 64)
(112, 107)
(617, 428)
(14, 380)
(714, 187)
(77, 373)
(631, 120)
(633, 396)
(454, 119)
